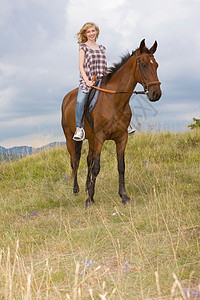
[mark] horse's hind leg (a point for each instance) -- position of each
(74, 149)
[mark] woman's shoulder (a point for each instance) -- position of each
(83, 46)
(101, 47)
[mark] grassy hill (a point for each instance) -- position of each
(51, 247)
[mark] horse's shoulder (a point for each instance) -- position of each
(70, 96)
(72, 93)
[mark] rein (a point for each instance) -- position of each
(115, 92)
(118, 92)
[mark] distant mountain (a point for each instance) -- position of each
(25, 150)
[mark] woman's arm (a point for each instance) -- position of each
(81, 68)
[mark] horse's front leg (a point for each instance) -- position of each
(74, 149)
(120, 148)
(89, 164)
(95, 169)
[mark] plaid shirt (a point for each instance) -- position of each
(94, 64)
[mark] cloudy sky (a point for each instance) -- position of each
(39, 60)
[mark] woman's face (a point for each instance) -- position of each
(91, 34)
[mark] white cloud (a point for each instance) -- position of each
(7, 97)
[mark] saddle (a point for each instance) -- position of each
(91, 102)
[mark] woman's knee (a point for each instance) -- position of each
(81, 98)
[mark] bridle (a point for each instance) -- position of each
(144, 83)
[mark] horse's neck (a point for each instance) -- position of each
(124, 78)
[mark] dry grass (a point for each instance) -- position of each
(53, 248)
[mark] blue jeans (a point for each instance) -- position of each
(80, 105)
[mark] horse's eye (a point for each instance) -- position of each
(143, 65)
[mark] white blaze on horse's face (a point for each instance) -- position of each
(151, 61)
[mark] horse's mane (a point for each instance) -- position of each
(116, 66)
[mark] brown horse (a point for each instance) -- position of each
(111, 115)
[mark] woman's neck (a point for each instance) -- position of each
(92, 45)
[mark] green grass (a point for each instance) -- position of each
(51, 247)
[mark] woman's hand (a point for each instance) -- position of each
(89, 82)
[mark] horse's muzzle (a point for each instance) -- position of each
(154, 93)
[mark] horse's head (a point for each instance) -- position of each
(146, 71)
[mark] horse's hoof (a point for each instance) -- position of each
(125, 199)
(76, 190)
(89, 203)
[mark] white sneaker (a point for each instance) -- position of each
(131, 130)
(79, 134)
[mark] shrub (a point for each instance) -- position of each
(195, 125)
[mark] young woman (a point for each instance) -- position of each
(92, 63)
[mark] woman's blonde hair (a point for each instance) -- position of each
(81, 35)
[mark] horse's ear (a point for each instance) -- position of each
(153, 48)
(142, 46)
